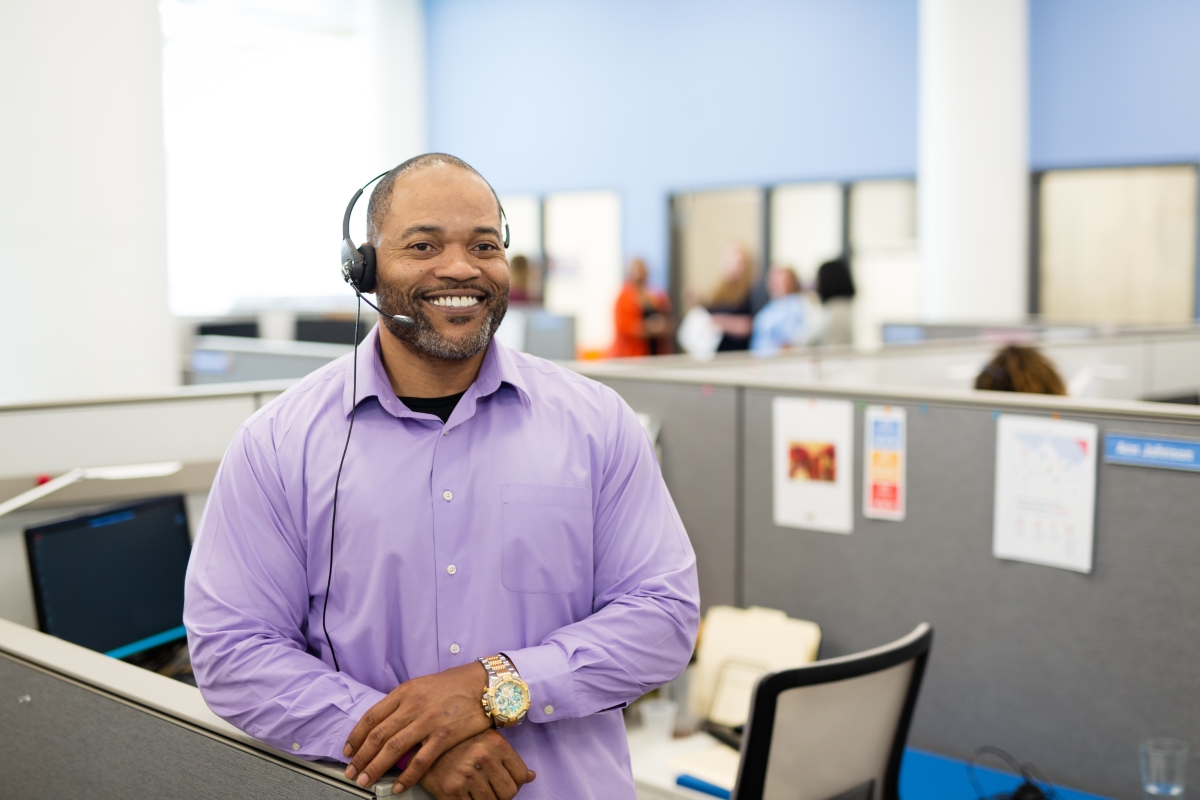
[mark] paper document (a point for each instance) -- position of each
(1045, 492)
(716, 764)
(814, 464)
(884, 463)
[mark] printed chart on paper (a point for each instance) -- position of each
(1045, 491)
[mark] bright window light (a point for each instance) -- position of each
(268, 133)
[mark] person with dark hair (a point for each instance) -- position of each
(835, 287)
(436, 536)
(641, 317)
(1021, 369)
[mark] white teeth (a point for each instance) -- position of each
(455, 301)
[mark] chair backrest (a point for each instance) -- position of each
(834, 727)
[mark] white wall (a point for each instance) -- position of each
(83, 282)
(274, 116)
(583, 250)
(973, 160)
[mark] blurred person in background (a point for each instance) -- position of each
(784, 321)
(1021, 369)
(730, 303)
(518, 271)
(835, 287)
(642, 317)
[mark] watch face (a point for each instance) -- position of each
(511, 698)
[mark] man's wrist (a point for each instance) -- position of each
(506, 699)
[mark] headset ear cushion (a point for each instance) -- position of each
(367, 283)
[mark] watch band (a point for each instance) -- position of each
(498, 666)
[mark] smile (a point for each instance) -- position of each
(454, 301)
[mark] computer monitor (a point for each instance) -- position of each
(112, 581)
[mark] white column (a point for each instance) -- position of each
(395, 41)
(83, 280)
(973, 176)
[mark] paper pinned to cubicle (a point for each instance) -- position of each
(884, 463)
(1045, 501)
(814, 464)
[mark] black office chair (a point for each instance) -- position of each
(834, 729)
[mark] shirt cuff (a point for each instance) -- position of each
(309, 742)
(551, 683)
(360, 706)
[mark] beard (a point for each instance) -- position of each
(425, 337)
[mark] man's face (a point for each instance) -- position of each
(441, 261)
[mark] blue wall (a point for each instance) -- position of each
(1114, 82)
(660, 95)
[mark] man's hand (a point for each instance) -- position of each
(481, 768)
(436, 712)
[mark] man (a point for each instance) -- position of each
(641, 317)
(491, 506)
(781, 323)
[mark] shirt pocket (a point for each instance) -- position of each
(546, 537)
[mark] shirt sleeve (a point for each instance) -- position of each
(646, 603)
(246, 603)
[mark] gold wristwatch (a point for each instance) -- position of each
(506, 700)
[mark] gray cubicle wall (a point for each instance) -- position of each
(699, 440)
(61, 738)
(1068, 671)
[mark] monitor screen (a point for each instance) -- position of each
(112, 581)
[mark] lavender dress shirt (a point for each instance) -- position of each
(535, 522)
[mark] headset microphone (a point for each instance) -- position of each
(399, 319)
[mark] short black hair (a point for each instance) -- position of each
(381, 197)
(834, 280)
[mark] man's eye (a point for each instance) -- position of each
(423, 247)
(487, 246)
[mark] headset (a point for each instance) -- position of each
(358, 270)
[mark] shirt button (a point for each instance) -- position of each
(549, 710)
(454, 649)
(451, 569)
(295, 745)
(447, 495)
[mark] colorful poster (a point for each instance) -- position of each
(1045, 492)
(814, 464)
(884, 463)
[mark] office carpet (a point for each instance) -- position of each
(925, 776)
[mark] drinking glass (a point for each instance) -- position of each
(1164, 768)
(658, 717)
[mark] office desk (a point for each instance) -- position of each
(923, 775)
(71, 717)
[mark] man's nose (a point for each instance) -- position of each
(457, 265)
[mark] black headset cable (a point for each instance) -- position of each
(337, 480)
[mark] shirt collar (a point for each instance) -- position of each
(499, 367)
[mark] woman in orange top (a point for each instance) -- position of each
(642, 317)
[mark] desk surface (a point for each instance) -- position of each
(923, 775)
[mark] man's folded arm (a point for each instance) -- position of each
(647, 603)
(246, 601)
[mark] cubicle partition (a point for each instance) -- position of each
(1066, 670)
(192, 425)
(1123, 365)
(75, 723)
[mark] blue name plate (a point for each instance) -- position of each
(1146, 451)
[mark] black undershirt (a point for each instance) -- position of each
(440, 407)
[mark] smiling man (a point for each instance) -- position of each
(507, 569)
